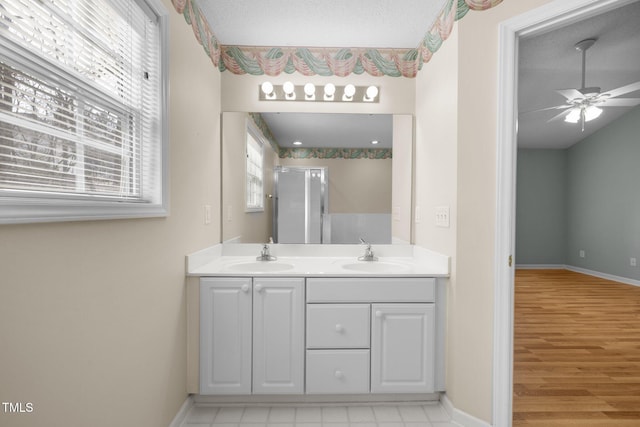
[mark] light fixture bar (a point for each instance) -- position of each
(318, 93)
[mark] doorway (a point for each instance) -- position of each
(549, 17)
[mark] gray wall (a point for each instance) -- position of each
(601, 209)
(541, 207)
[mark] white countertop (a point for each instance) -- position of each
(317, 261)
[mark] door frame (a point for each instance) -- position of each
(548, 17)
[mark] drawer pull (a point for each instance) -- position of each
(245, 288)
(338, 374)
(258, 288)
(378, 313)
(339, 328)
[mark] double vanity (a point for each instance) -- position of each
(316, 320)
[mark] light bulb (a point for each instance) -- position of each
(267, 88)
(592, 113)
(297, 143)
(288, 88)
(573, 116)
(349, 91)
(310, 89)
(329, 90)
(374, 142)
(372, 92)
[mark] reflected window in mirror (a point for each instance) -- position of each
(254, 171)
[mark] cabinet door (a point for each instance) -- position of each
(278, 335)
(225, 336)
(402, 348)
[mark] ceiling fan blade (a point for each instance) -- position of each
(559, 116)
(621, 102)
(570, 93)
(623, 89)
(557, 107)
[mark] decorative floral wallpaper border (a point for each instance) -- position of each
(272, 61)
(318, 153)
(336, 153)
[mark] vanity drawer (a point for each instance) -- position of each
(337, 371)
(338, 325)
(374, 289)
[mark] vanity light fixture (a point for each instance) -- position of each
(289, 91)
(309, 92)
(329, 91)
(267, 89)
(370, 94)
(349, 91)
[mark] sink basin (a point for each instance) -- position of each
(260, 266)
(376, 267)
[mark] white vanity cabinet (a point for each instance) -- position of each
(251, 335)
(402, 348)
(373, 335)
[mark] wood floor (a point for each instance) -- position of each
(576, 351)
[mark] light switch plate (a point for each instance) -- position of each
(442, 216)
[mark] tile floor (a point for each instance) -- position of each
(378, 415)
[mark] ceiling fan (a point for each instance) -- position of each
(584, 104)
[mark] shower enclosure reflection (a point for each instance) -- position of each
(300, 205)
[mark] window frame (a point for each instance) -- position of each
(253, 131)
(25, 207)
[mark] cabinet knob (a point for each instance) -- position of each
(258, 288)
(339, 328)
(338, 374)
(245, 288)
(378, 313)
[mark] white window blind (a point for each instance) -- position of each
(81, 108)
(255, 175)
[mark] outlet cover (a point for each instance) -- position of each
(633, 262)
(582, 254)
(207, 214)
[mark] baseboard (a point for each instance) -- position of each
(540, 266)
(182, 412)
(606, 276)
(314, 399)
(461, 417)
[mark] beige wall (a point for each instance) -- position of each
(436, 185)
(92, 314)
(355, 185)
(455, 166)
(246, 227)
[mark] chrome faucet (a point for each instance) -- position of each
(368, 253)
(265, 255)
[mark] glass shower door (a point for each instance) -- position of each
(300, 203)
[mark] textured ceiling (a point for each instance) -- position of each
(550, 61)
(327, 23)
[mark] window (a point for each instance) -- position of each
(82, 109)
(254, 171)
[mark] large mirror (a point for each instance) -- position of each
(316, 178)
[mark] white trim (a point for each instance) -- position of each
(461, 417)
(606, 276)
(183, 412)
(540, 267)
(545, 18)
